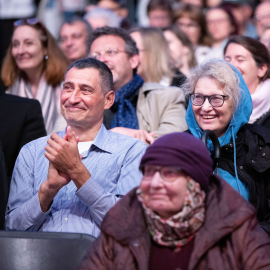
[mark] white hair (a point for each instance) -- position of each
(219, 71)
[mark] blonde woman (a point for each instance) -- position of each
(155, 59)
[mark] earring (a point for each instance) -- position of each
(46, 57)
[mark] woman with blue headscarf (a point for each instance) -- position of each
(220, 101)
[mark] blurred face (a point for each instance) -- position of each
(239, 14)
(177, 49)
(265, 38)
(191, 28)
(111, 50)
(73, 41)
(212, 3)
(216, 119)
(159, 18)
(137, 37)
(262, 17)
(218, 24)
(113, 6)
(242, 59)
(27, 49)
(198, 3)
(164, 198)
(82, 100)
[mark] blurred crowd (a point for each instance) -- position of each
(100, 97)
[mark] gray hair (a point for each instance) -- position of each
(109, 16)
(222, 73)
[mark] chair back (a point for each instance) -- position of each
(42, 250)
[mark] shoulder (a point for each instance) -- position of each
(255, 130)
(167, 92)
(125, 142)
(126, 213)
(39, 144)
(118, 144)
(225, 200)
(18, 100)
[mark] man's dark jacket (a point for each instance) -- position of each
(21, 121)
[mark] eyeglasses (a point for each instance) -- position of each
(168, 174)
(31, 21)
(261, 17)
(214, 100)
(219, 21)
(108, 52)
(189, 26)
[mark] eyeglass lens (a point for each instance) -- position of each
(167, 173)
(214, 100)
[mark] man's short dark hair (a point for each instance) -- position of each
(159, 4)
(130, 45)
(88, 29)
(105, 73)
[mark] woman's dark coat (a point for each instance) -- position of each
(230, 239)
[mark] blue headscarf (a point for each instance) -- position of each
(239, 118)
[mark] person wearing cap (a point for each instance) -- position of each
(180, 217)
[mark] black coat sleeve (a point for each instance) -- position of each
(3, 188)
(33, 126)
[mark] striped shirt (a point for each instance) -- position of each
(112, 160)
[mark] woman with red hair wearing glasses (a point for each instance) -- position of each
(34, 67)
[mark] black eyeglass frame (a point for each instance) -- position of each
(209, 99)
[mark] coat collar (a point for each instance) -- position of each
(101, 141)
(149, 86)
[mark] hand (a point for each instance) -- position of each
(136, 133)
(64, 155)
(48, 189)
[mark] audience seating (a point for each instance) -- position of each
(42, 250)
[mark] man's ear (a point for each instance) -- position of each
(134, 61)
(109, 100)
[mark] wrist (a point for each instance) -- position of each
(49, 190)
(80, 175)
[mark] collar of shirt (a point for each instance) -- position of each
(100, 141)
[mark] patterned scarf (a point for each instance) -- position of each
(179, 229)
(126, 113)
(48, 96)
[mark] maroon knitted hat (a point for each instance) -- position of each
(184, 151)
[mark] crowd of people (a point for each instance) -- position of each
(102, 122)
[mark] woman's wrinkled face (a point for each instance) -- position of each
(27, 49)
(163, 197)
(216, 119)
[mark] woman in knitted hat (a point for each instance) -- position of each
(180, 217)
